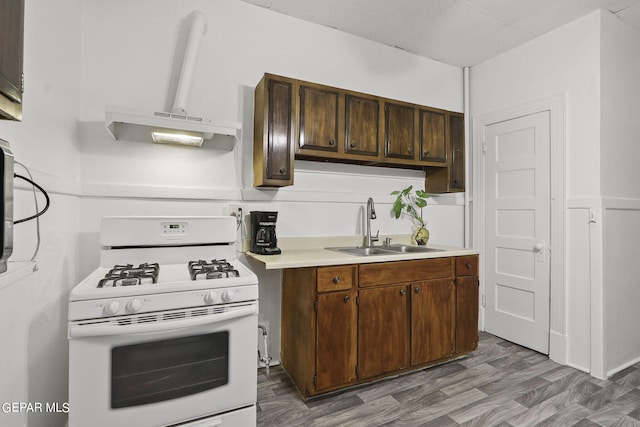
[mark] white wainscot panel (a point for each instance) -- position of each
(621, 288)
(578, 289)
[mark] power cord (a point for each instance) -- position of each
(35, 199)
(46, 196)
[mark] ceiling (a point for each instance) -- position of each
(456, 32)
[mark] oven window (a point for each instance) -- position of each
(162, 370)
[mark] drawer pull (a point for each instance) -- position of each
(469, 266)
(346, 298)
(336, 280)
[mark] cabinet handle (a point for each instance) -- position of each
(346, 298)
(469, 266)
(336, 280)
(402, 291)
(426, 153)
(352, 145)
(332, 142)
(417, 289)
(282, 170)
(409, 150)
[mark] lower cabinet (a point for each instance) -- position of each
(383, 327)
(348, 324)
(433, 320)
(336, 353)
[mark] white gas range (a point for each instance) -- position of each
(164, 332)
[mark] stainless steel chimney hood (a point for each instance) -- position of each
(175, 127)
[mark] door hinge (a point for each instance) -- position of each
(484, 147)
(484, 300)
(315, 305)
(22, 83)
(358, 300)
(315, 380)
(357, 371)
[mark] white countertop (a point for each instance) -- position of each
(311, 252)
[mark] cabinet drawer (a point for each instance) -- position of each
(336, 278)
(467, 265)
(385, 273)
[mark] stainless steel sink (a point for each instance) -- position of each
(383, 250)
(406, 249)
(362, 251)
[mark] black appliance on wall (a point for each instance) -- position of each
(263, 233)
(6, 210)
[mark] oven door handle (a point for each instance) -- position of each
(84, 331)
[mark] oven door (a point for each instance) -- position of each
(162, 372)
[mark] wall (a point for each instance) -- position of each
(34, 308)
(620, 150)
(565, 61)
(128, 49)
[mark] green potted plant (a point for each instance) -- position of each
(410, 202)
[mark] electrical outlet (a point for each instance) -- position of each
(236, 210)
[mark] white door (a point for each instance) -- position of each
(518, 228)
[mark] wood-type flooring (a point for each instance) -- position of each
(500, 384)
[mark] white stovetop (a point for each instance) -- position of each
(171, 278)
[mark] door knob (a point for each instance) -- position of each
(538, 247)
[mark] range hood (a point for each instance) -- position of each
(176, 126)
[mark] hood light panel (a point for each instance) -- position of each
(191, 140)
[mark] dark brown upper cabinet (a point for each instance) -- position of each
(318, 119)
(295, 119)
(362, 117)
(456, 128)
(433, 136)
(11, 48)
(452, 178)
(399, 131)
(273, 133)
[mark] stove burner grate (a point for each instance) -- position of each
(214, 269)
(128, 275)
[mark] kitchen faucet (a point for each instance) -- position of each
(371, 214)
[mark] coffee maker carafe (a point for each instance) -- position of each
(263, 233)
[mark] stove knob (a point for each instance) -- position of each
(227, 295)
(134, 305)
(210, 297)
(112, 308)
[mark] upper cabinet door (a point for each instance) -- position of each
(11, 47)
(318, 119)
(456, 129)
(399, 131)
(280, 133)
(433, 141)
(362, 123)
(273, 133)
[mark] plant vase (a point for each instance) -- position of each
(422, 236)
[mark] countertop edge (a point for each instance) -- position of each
(318, 257)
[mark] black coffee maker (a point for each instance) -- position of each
(263, 233)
